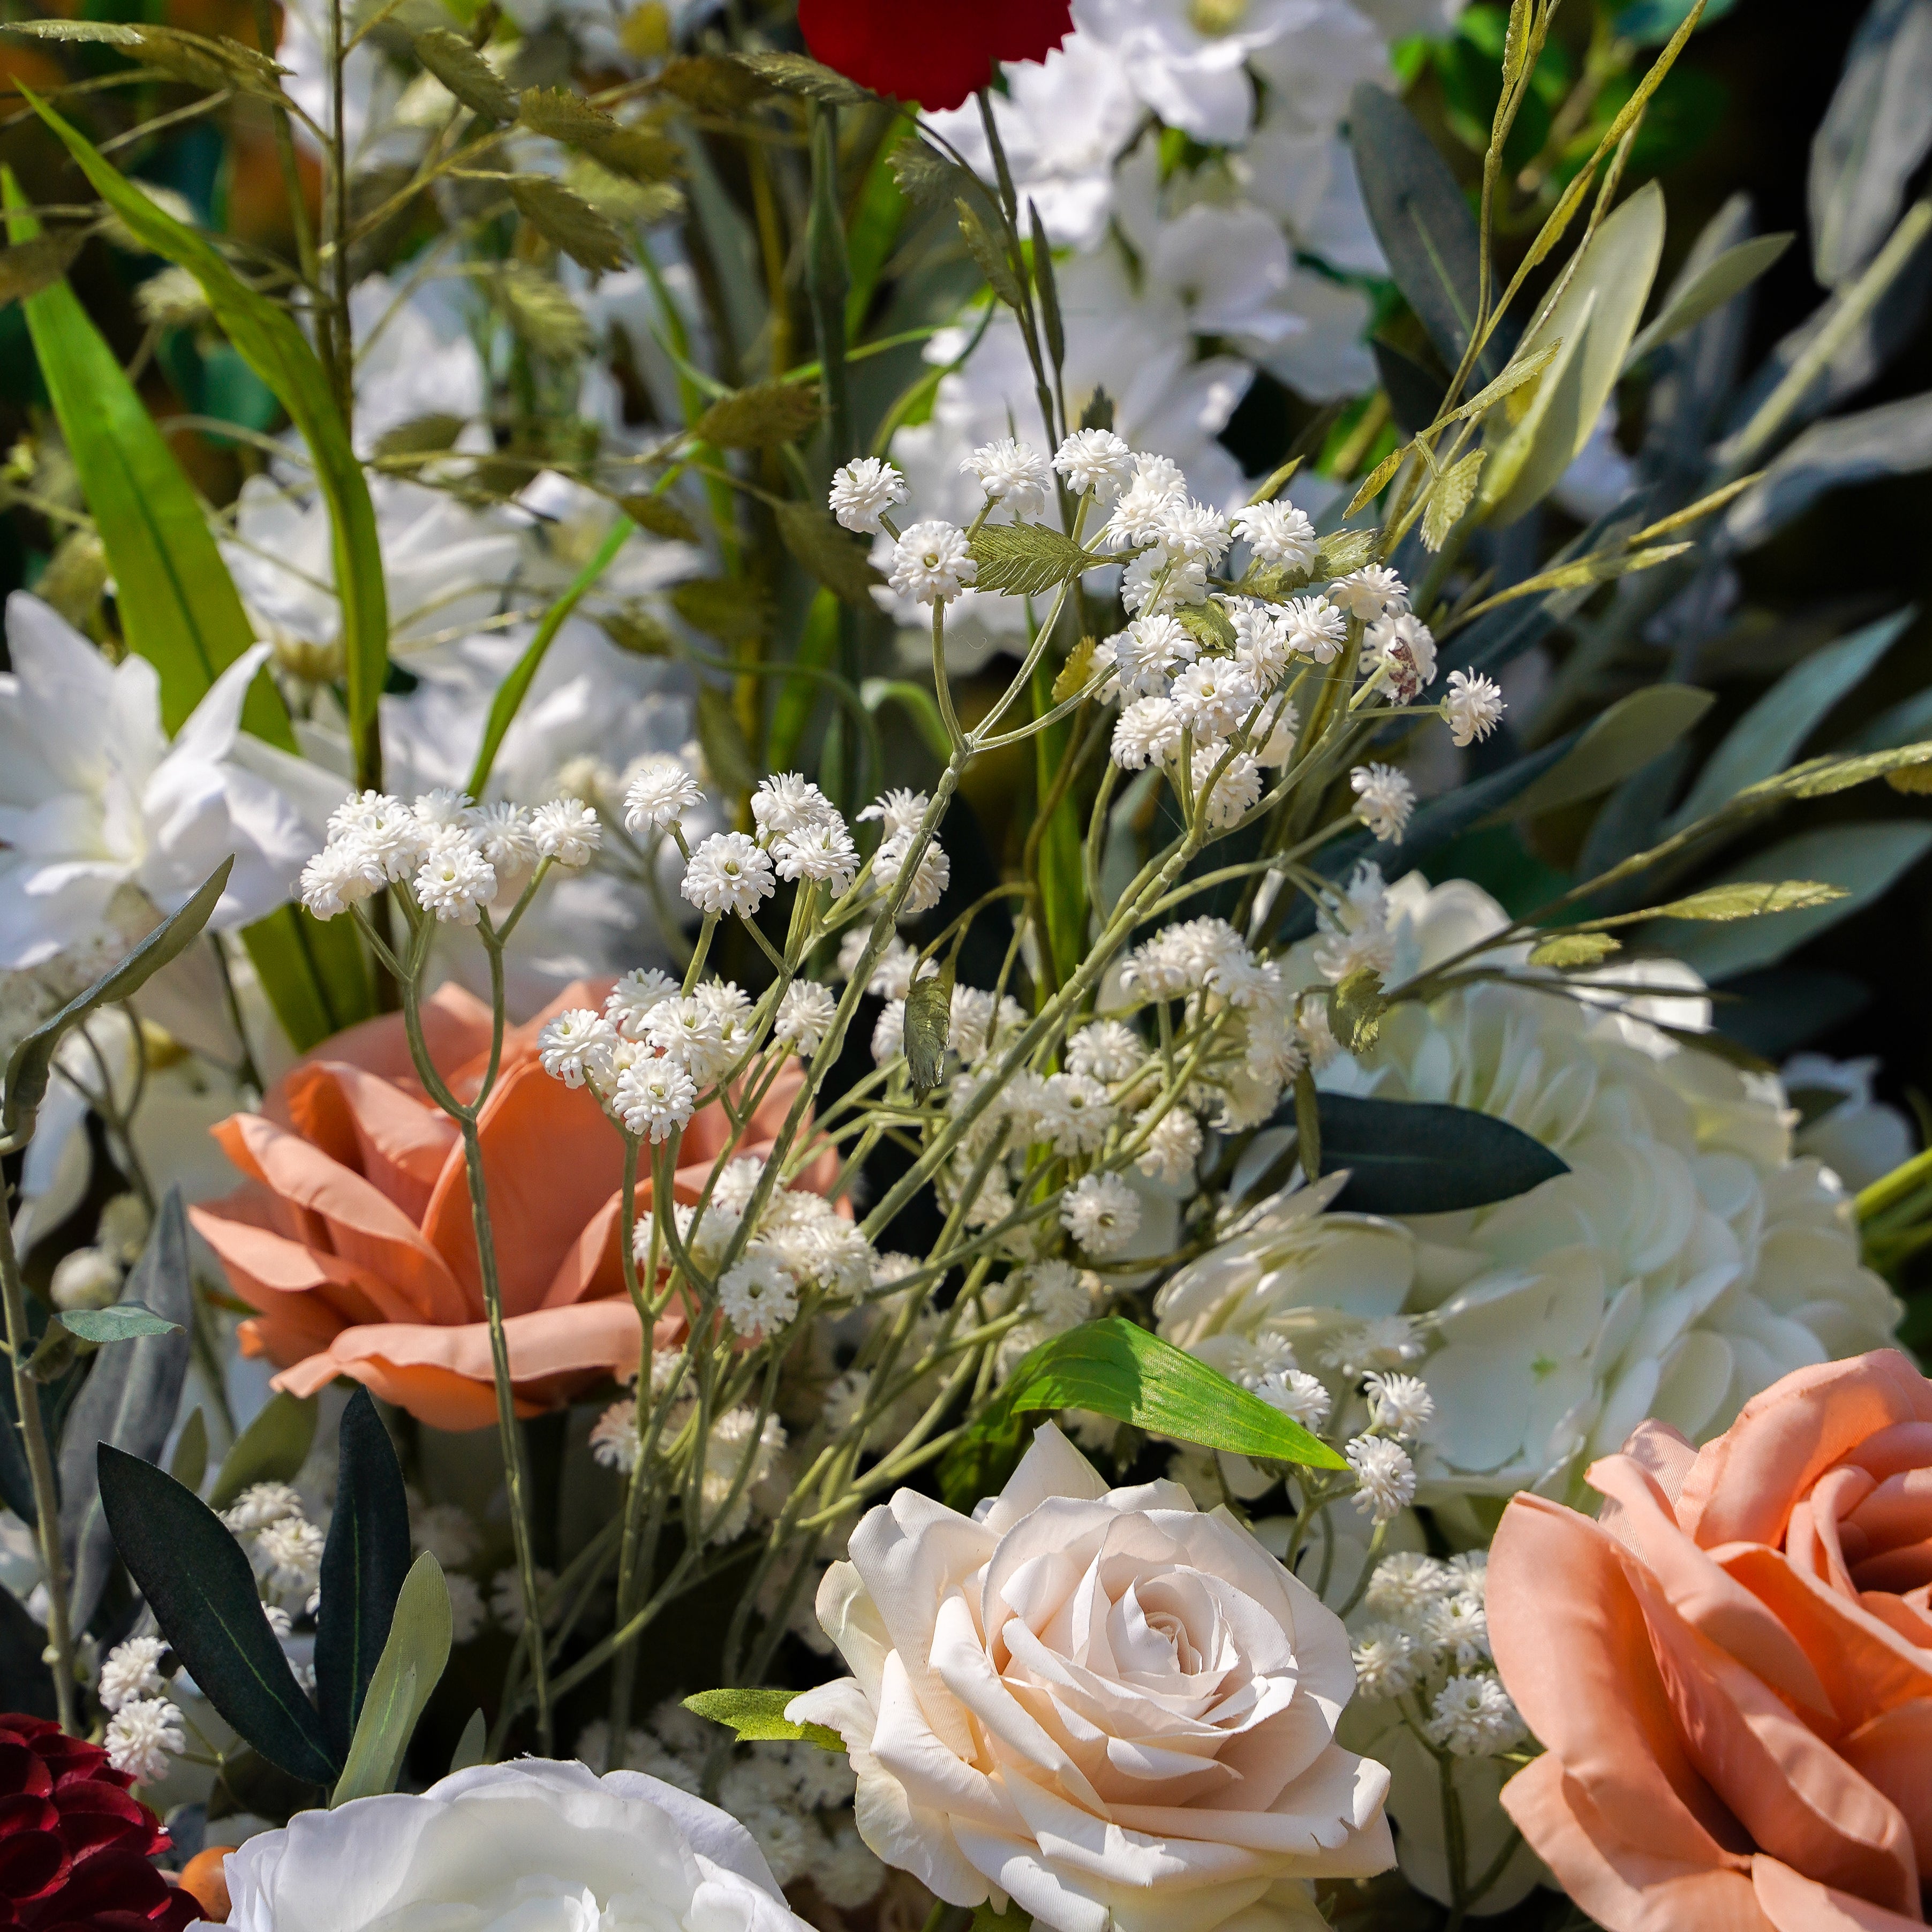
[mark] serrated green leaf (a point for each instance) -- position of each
(728, 756)
(412, 1665)
(1453, 494)
(1077, 673)
(1208, 624)
(827, 552)
(762, 416)
(798, 74)
(660, 517)
(1026, 559)
(712, 83)
(1356, 1007)
(1372, 484)
(993, 261)
(466, 74)
(212, 61)
(1748, 898)
(562, 116)
(758, 1717)
(1341, 551)
(926, 177)
(272, 1449)
(928, 1023)
(31, 1066)
(568, 222)
(1568, 950)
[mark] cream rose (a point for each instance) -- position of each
(1103, 1704)
(533, 1847)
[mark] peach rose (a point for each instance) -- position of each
(352, 1236)
(1732, 1670)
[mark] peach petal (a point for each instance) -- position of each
(263, 1268)
(292, 1334)
(1574, 1652)
(1814, 1538)
(439, 1398)
(394, 1142)
(1792, 1903)
(598, 1336)
(1894, 1753)
(1898, 1512)
(592, 1268)
(1900, 1571)
(1625, 1884)
(456, 1027)
(1742, 1486)
(1911, 1621)
(1866, 1667)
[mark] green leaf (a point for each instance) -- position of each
(1419, 1157)
(762, 416)
(918, 704)
(1747, 898)
(473, 1745)
(130, 1396)
(1620, 741)
(1894, 439)
(1819, 777)
(1077, 673)
(515, 688)
(1862, 861)
(795, 73)
(1356, 1007)
(211, 62)
(1702, 290)
(727, 755)
(1052, 324)
(271, 343)
(929, 1022)
(991, 255)
(202, 1589)
(564, 116)
(466, 74)
(1116, 1369)
(123, 1322)
(364, 1566)
(412, 1665)
(1423, 220)
(190, 1466)
(1027, 560)
(31, 1067)
(1341, 551)
(1450, 497)
(568, 222)
(1569, 949)
(827, 552)
(758, 1717)
(1762, 743)
(272, 1449)
(986, 1919)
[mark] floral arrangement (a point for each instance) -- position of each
(772, 1163)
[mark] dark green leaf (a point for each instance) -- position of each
(758, 1717)
(364, 1563)
(29, 1069)
(1419, 1157)
(1894, 439)
(272, 1449)
(990, 254)
(473, 1745)
(1621, 740)
(130, 1396)
(661, 516)
(214, 62)
(833, 557)
(202, 1589)
(1027, 560)
(727, 755)
(1048, 285)
(466, 74)
(412, 1665)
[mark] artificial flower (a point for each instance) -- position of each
(1731, 1670)
(506, 1846)
(1102, 1704)
(352, 1238)
(939, 55)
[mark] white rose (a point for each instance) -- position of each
(532, 1846)
(1103, 1704)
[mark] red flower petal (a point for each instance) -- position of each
(935, 55)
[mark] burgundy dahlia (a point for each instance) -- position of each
(75, 1846)
(934, 53)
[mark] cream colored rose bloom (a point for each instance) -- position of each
(1102, 1704)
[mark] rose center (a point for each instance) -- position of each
(1217, 16)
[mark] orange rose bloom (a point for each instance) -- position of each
(1731, 1671)
(353, 1235)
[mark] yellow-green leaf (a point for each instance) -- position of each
(1568, 950)
(465, 74)
(568, 222)
(1451, 496)
(760, 417)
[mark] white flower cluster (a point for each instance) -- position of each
(270, 1521)
(144, 1729)
(744, 1456)
(456, 859)
(795, 1799)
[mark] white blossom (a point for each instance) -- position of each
(141, 1736)
(1235, 793)
(1401, 1404)
(1405, 646)
(789, 801)
(1011, 472)
(896, 813)
(1388, 1663)
(655, 1098)
(728, 874)
(1384, 800)
(934, 873)
(1094, 460)
(1473, 708)
(662, 791)
(132, 1670)
(931, 563)
(1102, 1212)
(1299, 1396)
(863, 492)
(1472, 1716)
(567, 831)
(1173, 1147)
(822, 854)
(1373, 592)
(573, 1042)
(614, 1436)
(631, 1002)
(1316, 628)
(756, 1295)
(805, 1015)
(1106, 1049)
(1384, 1477)
(455, 881)
(1278, 533)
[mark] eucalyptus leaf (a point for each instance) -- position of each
(1763, 741)
(130, 1396)
(364, 1566)
(1862, 861)
(473, 1746)
(1875, 132)
(413, 1660)
(1421, 1157)
(31, 1066)
(202, 1589)
(758, 1717)
(1620, 741)
(272, 1449)
(1894, 439)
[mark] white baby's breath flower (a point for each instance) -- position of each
(896, 812)
(1213, 696)
(338, 877)
(1011, 472)
(662, 791)
(864, 492)
(654, 1097)
(574, 1042)
(788, 802)
(1094, 459)
(728, 874)
(1384, 1477)
(455, 881)
(631, 1002)
(1106, 1050)
(566, 831)
(447, 1532)
(132, 1670)
(1473, 708)
(1235, 792)
(614, 1436)
(504, 837)
(1373, 592)
(1102, 1212)
(1401, 1404)
(1156, 489)
(931, 563)
(260, 1505)
(1384, 800)
(1473, 1716)
(1300, 1397)
(1404, 648)
(929, 882)
(1147, 730)
(1316, 628)
(756, 1295)
(805, 1015)
(823, 854)
(142, 1735)
(506, 1599)
(1457, 1629)
(1173, 1146)
(1388, 1662)
(1278, 533)
(290, 1549)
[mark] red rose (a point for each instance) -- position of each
(936, 55)
(74, 1847)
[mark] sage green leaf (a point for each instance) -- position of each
(758, 1717)
(1762, 741)
(1620, 741)
(762, 416)
(412, 1665)
(466, 74)
(272, 1449)
(1820, 778)
(472, 1746)
(271, 343)
(1027, 560)
(121, 1323)
(1894, 439)
(189, 1466)
(31, 1066)
(1749, 898)
(928, 1023)
(201, 1590)
(1862, 861)
(1568, 950)
(563, 115)
(1703, 289)
(1421, 1157)
(1341, 551)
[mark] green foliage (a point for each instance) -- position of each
(412, 1665)
(758, 1717)
(272, 1449)
(1027, 560)
(1419, 1157)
